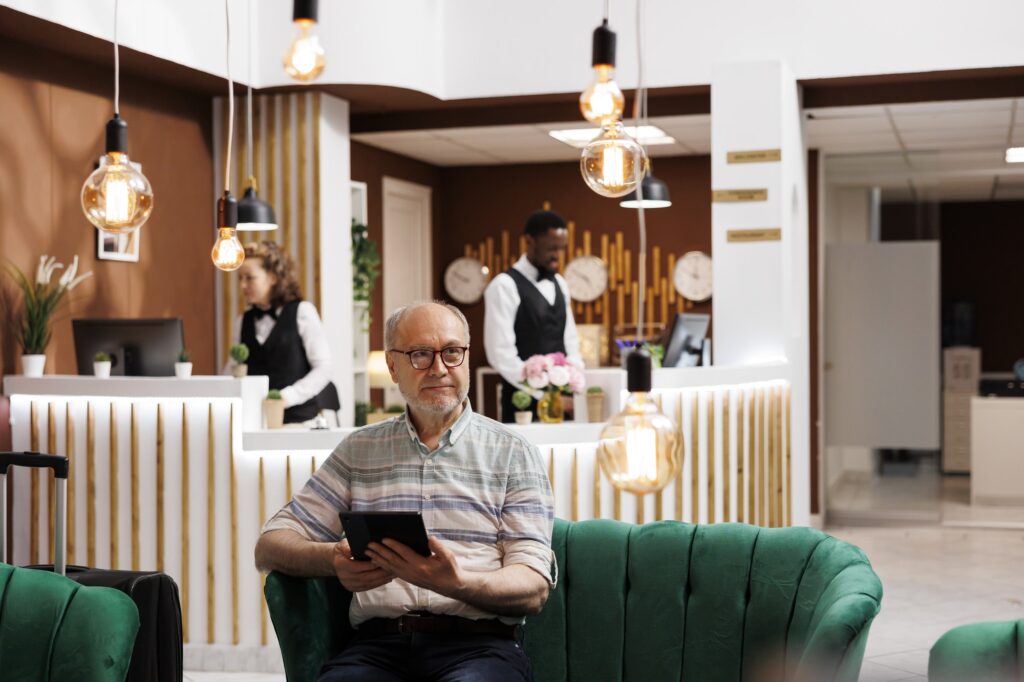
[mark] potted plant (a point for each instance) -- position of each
(365, 268)
(595, 404)
(101, 365)
(555, 375)
(240, 354)
(273, 409)
(183, 367)
(522, 401)
(361, 410)
(40, 300)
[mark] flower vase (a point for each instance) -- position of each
(550, 409)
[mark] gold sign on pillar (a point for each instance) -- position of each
(732, 195)
(765, 234)
(754, 156)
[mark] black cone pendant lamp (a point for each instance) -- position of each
(254, 214)
(654, 191)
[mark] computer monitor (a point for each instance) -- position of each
(684, 342)
(136, 347)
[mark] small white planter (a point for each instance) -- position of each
(32, 365)
(101, 369)
(240, 370)
(183, 370)
(273, 413)
(524, 417)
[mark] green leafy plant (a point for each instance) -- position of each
(101, 357)
(239, 353)
(184, 355)
(657, 352)
(593, 390)
(361, 410)
(521, 400)
(274, 394)
(41, 299)
(394, 409)
(365, 268)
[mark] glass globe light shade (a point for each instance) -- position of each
(304, 59)
(228, 253)
(602, 102)
(117, 197)
(613, 163)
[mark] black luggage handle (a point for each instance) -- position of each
(35, 460)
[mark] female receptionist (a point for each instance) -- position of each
(283, 332)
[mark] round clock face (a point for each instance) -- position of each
(465, 279)
(587, 277)
(692, 276)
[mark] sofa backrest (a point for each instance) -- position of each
(980, 652)
(52, 628)
(723, 602)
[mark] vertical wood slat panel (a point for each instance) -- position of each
(33, 504)
(741, 460)
(51, 489)
(574, 499)
(301, 169)
(160, 463)
(779, 491)
(69, 452)
(211, 538)
(135, 487)
(90, 484)
(185, 587)
(682, 458)
(695, 461)
(726, 460)
(762, 451)
(115, 491)
(789, 458)
(316, 199)
(712, 515)
(234, 527)
(770, 496)
(597, 488)
(262, 510)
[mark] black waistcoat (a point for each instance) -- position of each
(282, 358)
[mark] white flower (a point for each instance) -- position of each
(69, 280)
(559, 375)
(539, 381)
(44, 271)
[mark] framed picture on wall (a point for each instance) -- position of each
(123, 247)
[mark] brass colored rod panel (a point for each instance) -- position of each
(211, 544)
(90, 484)
(597, 488)
(575, 495)
(234, 527)
(160, 487)
(726, 460)
(69, 452)
(185, 590)
(789, 458)
(135, 489)
(695, 460)
(33, 504)
(115, 490)
(51, 488)
(712, 516)
(262, 510)
(682, 459)
(740, 459)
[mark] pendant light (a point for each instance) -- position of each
(227, 253)
(639, 448)
(612, 164)
(117, 197)
(654, 191)
(304, 58)
(254, 214)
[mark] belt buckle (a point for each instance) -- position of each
(406, 629)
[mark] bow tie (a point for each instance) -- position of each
(258, 313)
(545, 274)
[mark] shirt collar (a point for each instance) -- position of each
(454, 431)
(524, 266)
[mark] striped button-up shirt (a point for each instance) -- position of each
(483, 491)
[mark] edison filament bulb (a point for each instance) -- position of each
(117, 197)
(613, 163)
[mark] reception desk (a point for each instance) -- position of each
(997, 451)
(176, 475)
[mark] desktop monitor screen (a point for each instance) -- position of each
(685, 340)
(136, 347)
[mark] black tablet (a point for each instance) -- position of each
(362, 528)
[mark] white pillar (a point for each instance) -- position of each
(761, 287)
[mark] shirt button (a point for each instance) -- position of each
(426, 497)
(429, 462)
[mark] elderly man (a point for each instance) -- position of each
(486, 504)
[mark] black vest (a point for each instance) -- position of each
(539, 328)
(282, 358)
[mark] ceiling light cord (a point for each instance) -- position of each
(117, 67)
(607, 4)
(640, 113)
(231, 95)
(248, 108)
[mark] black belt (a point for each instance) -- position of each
(434, 624)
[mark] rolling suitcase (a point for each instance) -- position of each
(157, 655)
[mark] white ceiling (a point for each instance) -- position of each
(950, 151)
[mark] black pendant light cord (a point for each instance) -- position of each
(117, 67)
(231, 95)
(248, 110)
(640, 113)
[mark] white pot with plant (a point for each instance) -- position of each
(183, 367)
(101, 365)
(40, 300)
(240, 354)
(522, 400)
(273, 409)
(595, 404)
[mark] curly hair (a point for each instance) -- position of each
(278, 263)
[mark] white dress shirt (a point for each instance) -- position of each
(314, 341)
(502, 303)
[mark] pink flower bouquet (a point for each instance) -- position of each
(553, 372)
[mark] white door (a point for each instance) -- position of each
(406, 251)
(882, 345)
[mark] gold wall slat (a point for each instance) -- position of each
(160, 487)
(316, 200)
(617, 504)
(575, 495)
(712, 512)
(211, 494)
(788, 425)
(682, 459)
(726, 460)
(312, 466)
(284, 219)
(770, 493)
(640, 511)
(115, 491)
(185, 589)
(551, 472)
(69, 452)
(90, 484)
(659, 505)
(695, 461)
(135, 489)
(51, 448)
(779, 492)
(33, 504)
(741, 464)
(301, 167)
(288, 478)
(234, 527)
(752, 466)
(597, 490)
(262, 510)
(762, 507)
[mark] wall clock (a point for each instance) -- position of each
(465, 279)
(587, 277)
(692, 276)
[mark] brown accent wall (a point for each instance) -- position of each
(51, 134)
(480, 202)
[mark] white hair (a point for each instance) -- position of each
(399, 313)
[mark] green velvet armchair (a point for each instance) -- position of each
(661, 601)
(980, 652)
(52, 628)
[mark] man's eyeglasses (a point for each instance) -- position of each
(423, 358)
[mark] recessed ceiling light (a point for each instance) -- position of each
(579, 137)
(1015, 155)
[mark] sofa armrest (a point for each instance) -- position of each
(310, 617)
(984, 652)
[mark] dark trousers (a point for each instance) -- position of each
(434, 657)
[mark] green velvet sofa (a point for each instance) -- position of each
(979, 652)
(660, 601)
(53, 629)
